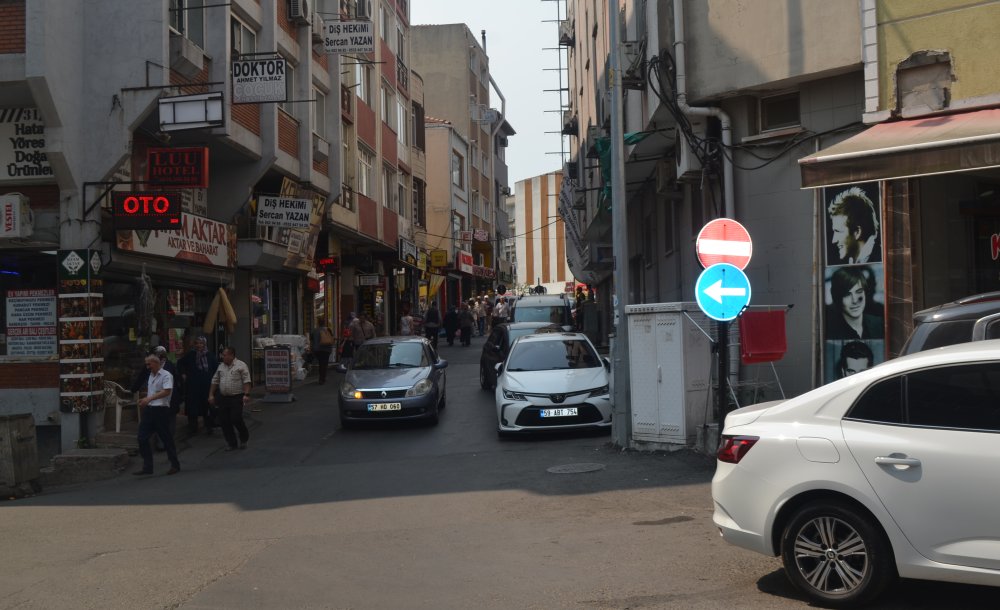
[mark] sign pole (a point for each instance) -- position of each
(722, 347)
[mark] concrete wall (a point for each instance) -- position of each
(767, 44)
(439, 188)
(969, 31)
(440, 53)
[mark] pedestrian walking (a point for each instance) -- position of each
(176, 394)
(465, 323)
(481, 316)
(361, 330)
(500, 311)
(432, 323)
(451, 325)
(347, 340)
(232, 382)
(196, 369)
(475, 316)
(406, 321)
(321, 344)
(155, 417)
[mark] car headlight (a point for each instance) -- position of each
(422, 387)
(348, 391)
(510, 395)
(601, 391)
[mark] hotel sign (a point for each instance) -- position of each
(180, 167)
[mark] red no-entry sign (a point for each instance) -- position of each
(724, 241)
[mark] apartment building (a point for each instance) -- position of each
(455, 68)
(540, 245)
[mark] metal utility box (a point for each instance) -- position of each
(18, 450)
(670, 364)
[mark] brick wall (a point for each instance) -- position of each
(283, 21)
(248, 115)
(322, 167)
(11, 26)
(321, 59)
(29, 375)
(288, 134)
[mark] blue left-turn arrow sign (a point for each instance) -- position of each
(722, 291)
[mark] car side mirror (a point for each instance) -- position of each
(607, 364)
(441, 364)
(340, 368)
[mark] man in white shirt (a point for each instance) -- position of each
(232, 379)
(155, 417)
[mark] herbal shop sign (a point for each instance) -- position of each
(200, 240)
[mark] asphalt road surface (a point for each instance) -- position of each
(399, 517)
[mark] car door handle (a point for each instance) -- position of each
(897, 461)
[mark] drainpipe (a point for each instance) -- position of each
(493, 169)
(729, 209)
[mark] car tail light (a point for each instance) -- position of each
(733, 448)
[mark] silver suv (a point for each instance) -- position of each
(549, 308)
(972, 318)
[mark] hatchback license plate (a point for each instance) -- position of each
(567, 412)
(385, 406)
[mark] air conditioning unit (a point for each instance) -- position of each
(318, 28)
(363, 9)
(299, 11)
(688, 164)
(664, 176)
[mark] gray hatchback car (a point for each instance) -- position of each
(393, 378)
(972, 318)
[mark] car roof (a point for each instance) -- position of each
(967, 308)
(524, 325)
(396, 339)
(541, 299)
(552, 337)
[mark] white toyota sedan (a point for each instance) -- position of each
(552, 381)
(894, 471)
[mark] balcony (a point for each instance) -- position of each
(346, 97)
(571, 124)
(402, 76)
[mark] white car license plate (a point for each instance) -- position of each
(567, 412)
(385, 406)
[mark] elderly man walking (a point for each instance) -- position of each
(232, 379)
(155, 417)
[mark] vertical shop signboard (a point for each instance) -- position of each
(278, 374)
(80, 331)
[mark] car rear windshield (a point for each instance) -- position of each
(390, 355)
(540, 313)
(552, 355)
(938, 334)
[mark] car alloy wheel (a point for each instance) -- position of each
(484, 380)
(835, 555)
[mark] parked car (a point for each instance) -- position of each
(972, 318)
(552, 381)
(393, 378)
(549, 308)
(888, 472)
(497, 346)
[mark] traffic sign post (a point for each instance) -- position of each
(724, 249)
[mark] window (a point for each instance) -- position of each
(474, 204)
(388, 188)
(881, 403)
(187, 18)
(388, 107)
(289, 88)
(402, 123)
(244, 39)
(418, 127)
(366, 161)
(779, 111)
(419, 203)
(963, 396)
(363, 79)
(319, 113)
(400, 43)
(474, 156)
(404, 209)
(457, 169)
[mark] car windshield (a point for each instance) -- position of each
(552, 355)
(390, 355)
(520, 332)
(939, 334)
(538, 313)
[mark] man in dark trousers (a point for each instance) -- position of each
(155, 418)
(466, 321)
(432, 323)
(232, 379)
(451, 324)
(321, 344)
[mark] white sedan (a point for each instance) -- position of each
(892, 471)
(552, 381)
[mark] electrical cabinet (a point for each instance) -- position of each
(670, 369)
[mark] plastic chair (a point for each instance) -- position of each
(115, 395)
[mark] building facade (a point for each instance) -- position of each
(540, 242)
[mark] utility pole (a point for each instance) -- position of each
(622, 422)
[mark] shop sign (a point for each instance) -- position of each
(464, 262)
(16, 216)
(142, 210)
(287, 212)
(480, 235)
(80, 330)
(181, 167)
(487, 272)
(278, 370)
(422, 260)
(465, 236)
(439, 258)
(349, 37)
(200, 240)
(408, 252)
(22, 146)
(328, 264)
(369, 280)
(31, 322)
(259, 81)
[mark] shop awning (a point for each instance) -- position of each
(904, 149)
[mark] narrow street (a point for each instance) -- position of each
(396, 517)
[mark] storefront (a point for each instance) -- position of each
(935, 193)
